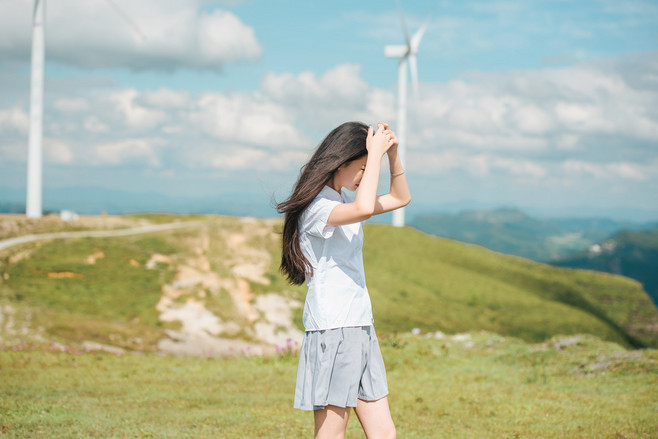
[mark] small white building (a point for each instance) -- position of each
(68, 215)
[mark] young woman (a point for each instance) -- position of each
(340, 364)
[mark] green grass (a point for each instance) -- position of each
(161, 218)
(415, 281)
(112, 301)
(116, 287)
(495, 388)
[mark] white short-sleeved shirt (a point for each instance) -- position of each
(337, 295)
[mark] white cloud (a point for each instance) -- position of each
(149, 34)
(58, 151)
(591, 109)
(246, 118)
(287, 160)
(478, 165)
(525, 168)
(624, 170)
(140, 151)
(324, 101)
(133, 114)
(165, 98)
(582, 117)
(627, 170)
(526, 130)
(223, 36)
(567, 142)
(380, 106)
(94, 125)
(72, 105)
(14, 119)
(239, 158)
(306, 86)
(531, 119)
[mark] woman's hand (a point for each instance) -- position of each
(380, 141)
(393, 140)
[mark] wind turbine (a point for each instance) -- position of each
(406, 54)
(35, 139)
(33, 202)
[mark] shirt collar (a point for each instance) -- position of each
(331, 193)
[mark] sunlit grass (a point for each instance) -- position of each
(415, 281)
(484, 386)
(116, 286)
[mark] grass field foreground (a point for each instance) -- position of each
(476, 385)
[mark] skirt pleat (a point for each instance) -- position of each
(338, 367)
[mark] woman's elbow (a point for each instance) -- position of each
(405, 201)
(366, 211)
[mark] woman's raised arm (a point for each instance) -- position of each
(365, 202)
(399, 194)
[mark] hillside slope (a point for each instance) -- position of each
(215, 290)
(422, 281)
(632, 253)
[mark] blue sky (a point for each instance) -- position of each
(549, 106)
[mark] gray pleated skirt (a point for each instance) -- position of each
(339, 366)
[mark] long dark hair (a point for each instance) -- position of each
(343, 144)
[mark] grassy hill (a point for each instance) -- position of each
(561, 365)
(220, 281)
(428, 282)
(632, 253)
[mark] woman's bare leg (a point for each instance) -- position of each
(331, 422)
(375, 418)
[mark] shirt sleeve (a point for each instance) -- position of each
(315, 219)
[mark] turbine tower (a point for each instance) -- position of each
(33, 203)
(406, 54)
(35, 147)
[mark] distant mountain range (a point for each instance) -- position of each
(93, 200)
(514, 232)
(246, 200)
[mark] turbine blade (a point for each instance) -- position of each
(396, 51)
(413, 67)
(404, 24)
(34, 12)
(415, 40)
(128, 20)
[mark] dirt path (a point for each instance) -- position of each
(6, 243)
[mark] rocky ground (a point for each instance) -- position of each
(208, 307)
